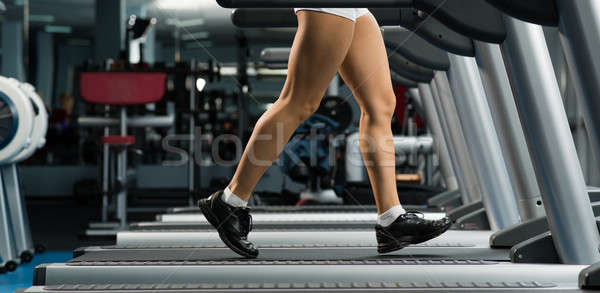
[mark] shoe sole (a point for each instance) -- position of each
(408, 240)
(212, 219)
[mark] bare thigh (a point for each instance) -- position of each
(320, 46)
(366, 69)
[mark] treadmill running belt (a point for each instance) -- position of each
(221, 245)
(186, 255)
(194, 226)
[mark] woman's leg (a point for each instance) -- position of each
(366, 71)
(319, 48)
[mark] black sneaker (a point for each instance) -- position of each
(409, 228)
(232, 223)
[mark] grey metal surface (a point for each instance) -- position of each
(179, 272)
(433, 122)
(476, 120)
(105, 171)
(312, 287)
(579, 26)
(121, 173)
(275, 55)
(270, 238)
(140, 121)
(508, 127)
(18, 212)
(413, 145)
(550, 143)
(444, 100)
(192, 144)
(7, 248)
(407, 146)
(461, 162)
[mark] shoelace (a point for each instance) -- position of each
(245, 220)
(415, 214)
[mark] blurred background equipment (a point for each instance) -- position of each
(116, 116)
(24, 124)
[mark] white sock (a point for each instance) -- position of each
(232, 199)
(389, 216)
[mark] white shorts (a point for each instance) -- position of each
(349, 13)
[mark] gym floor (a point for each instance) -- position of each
(57, 224)
(23, 276)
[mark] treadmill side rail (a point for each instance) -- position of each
(589, 278)
(539, 249)
(449, 199)
(477, 220)
(463, 210)
(512, 236)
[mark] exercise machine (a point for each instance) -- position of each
(24, 123)
(556, 165)
(119, 89)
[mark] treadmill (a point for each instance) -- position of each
(576, 238)
(180, 223)
(285, 209)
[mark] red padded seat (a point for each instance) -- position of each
(118, 140)
(122, 88)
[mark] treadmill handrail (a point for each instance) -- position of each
(136, 121)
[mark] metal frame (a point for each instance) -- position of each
(18, 212)
(579, 27)
(434, 125)
(16, 244)
(467, 177)
(480, 133)
(122, 174)
(8, 255)
(508, 126)
(446, 98)
(550, 143)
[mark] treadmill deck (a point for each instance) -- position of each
(322, 255)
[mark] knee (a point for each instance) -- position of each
(301, 109)
(380, 110)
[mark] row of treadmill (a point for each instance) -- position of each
(483, 74)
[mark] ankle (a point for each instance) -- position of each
(230, 198)
(389, 216)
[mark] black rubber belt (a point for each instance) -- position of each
(294, 254)
(315, 285)
(308, 209)
(283, 246)
(286, 229)
(194, 226)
